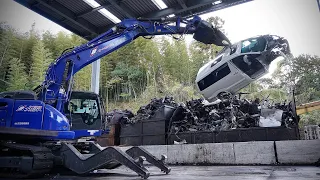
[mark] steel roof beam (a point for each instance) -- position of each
(182, 4)
(55, 20)
(67, 14)
(127, 12)
(177, 9)
(93, 10)
(224, 5)
(193, 5)
(106, 5)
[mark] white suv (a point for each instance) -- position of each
(238, 65)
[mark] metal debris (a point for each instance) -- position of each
(119, 116)
(229, 112)
(146, 112)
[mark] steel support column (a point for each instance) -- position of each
(95, 76)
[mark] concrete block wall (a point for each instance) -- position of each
(260, 152)
(298, 152)
(240, 153)
(215, 153)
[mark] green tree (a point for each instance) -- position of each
(82, 79)
(11, 46)
(7, 35)
(48, 40)
(17, 75)
(302, 73)
(27, 43)
(171, 59)
(267, 83)
(41, 59)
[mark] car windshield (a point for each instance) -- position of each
(253, 45)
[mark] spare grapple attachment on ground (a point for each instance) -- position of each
(30, 161)
(109, 158)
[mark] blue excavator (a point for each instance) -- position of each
(53, 126)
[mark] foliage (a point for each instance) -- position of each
(311, 118)
(41, 59)
(303, 71)
(17, 75)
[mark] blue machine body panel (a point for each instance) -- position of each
(6, 111)
(34, 114)
(55, 120)
(87, 133)
(28, 114)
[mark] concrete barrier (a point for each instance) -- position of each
(157, 150)
(215, 153)
(298, 152)
(242, 153)
(260, 152)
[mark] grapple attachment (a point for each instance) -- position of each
(109, 158)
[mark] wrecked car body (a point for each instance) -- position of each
(237, 65)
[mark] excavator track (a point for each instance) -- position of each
(24, 161)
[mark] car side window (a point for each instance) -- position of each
(214, 76)
(249, 65)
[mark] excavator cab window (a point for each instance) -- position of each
(84, 110)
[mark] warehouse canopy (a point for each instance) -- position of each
(88, 18)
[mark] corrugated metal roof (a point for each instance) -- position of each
(171, 3)
(76, 6)
(97, 19)
(72, 25)
(50, 13)
(102, 2)
(195, 11)
(141, 7)
(116, 12)
(82, 19)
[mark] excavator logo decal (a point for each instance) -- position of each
(92, 132)
(93, 51)
(108, 45)
(26, 108)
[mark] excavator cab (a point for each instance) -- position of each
(85, 112)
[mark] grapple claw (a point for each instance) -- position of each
(163, 158)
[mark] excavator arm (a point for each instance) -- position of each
(57, 86)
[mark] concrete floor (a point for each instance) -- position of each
(206, 173)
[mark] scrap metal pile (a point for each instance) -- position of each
(229, 112)
(144, 112)
(148, 111)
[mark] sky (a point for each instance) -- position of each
(296, 20)
(21, 18)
